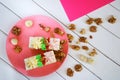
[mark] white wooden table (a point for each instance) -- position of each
(106, 40)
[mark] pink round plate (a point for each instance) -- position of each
(17, 59)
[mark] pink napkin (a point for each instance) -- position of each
(77, 8)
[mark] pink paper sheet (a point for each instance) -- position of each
(77, 8)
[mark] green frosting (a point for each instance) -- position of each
(40, 64)
(38, 57)
(43, 46)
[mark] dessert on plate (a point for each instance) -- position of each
(37, 45)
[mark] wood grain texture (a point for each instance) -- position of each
(106, 40)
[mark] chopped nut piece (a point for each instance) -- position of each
(90, 60)
(58, 31)
(83, 58)
(42, 26)
(93, 53)
(72, 27)
(62, 42)
(89, 21)
(91, 36)
(75, 47)
(16, 31)
(70, 72)
(45, 28)
(112, 19)
(83, 31)
(70, 37)
(18, 49)
(77, 42)
(85, 48)
(78, 67)
(83, 39)
(93, 29)
(59, 55)
(98, 21)
(86, 59)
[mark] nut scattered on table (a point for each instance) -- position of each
(77, 42)
(83, 39)
(70, 72)
(16, 31)
(75, 47)
(83, 58)
(112, 19)
(58, 31)
(98, 21)
(93, 53)
(93, 29)
(90, 36)
(72, 27)
(78, 67)
(85, 48)
(90, 21)
(70, 37)
(86, 59)
(83, 31)
(18, 49)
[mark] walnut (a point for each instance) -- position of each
(89, 21)
(85, 48)
(83, 39)
(72, 27)
(75, 47)
(70, 72)
(70, 37)
(83, 31)
(59, 55)
(98, 21)
(93, 53)
(62, 42)
(58, 31)
(78, 67)
(18, 49)
(45, 28)
(16, 31)
(93, 29)
(112, 20)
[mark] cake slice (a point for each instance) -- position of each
(37, 43)
(54, 44)
(33, 62)
(49, 57)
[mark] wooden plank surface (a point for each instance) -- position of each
(106, 40)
